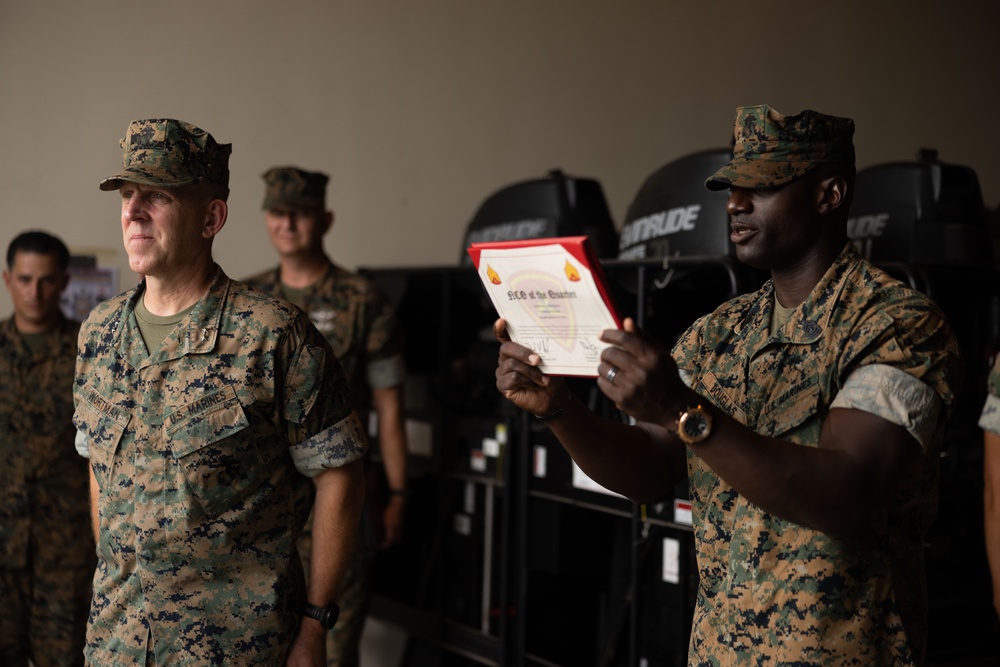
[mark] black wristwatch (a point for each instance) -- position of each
(327, 616)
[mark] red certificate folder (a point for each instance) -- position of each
(554, 296)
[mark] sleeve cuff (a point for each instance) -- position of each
(82, 446)
(333, 447)
(989, 420)
(387, 372)
(896, 396)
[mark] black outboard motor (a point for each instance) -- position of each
(558, 205)
(924, 213)
(674, 214)
(678, 230)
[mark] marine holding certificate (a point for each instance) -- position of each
(807, 418)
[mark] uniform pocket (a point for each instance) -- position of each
(793, 415)
(219, 462)
(104, 424)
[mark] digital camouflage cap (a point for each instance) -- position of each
(291, 188)
(168, 152)
(773, 149)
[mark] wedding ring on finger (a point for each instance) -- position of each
(612, 372)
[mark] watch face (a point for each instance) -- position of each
(694, 425)
(330, 616)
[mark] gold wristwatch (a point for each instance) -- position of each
(694, 425)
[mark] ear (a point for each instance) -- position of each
(832, 194)
(328, 218)
(215, 218)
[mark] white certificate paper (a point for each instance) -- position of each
(554, 297)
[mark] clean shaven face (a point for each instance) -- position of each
(162, 228)
(35, 282)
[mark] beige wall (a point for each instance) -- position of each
(419, 110)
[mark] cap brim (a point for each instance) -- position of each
(754, 174)
(146, 175)
(291, 205)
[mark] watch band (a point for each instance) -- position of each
(327, 616)
(550, 416)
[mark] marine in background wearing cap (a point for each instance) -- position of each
(213, 415)
(358, 321)
(46, 549)
(807, 418)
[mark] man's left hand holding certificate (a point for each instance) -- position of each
(554, 296)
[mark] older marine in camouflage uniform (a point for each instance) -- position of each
(812, 462)
(46, 547)
(360, 325)
(202, 446)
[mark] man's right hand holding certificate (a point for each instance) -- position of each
(635, 372)
(645, 384)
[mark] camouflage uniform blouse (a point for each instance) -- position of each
(202, 452)
(989, 419)
(39, 471)
(358, 321)
(775, 592)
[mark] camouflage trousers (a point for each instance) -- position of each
(43, 615)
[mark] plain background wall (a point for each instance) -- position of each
(420, 110)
